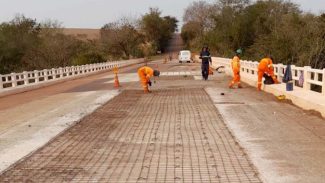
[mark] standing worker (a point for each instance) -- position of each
(235, 65)
(145, 73)
(265, 67)
(206, 59)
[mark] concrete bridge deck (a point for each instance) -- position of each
(184, 131)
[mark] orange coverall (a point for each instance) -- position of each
(265, 66)
(145, 73)
(235, 65)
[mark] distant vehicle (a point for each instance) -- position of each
(184, 56)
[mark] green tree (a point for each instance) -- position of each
(275, 27)
(16, 37)
(190, 32)
(158, 30)
(121, 39)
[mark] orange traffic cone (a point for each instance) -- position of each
(116, 81)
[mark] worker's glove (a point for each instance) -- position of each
(149, 83)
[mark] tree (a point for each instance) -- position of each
(121, 38)
(28, 45)
(16, 37)
(54, 49)
(190, 31)
(158, 30)
(200, 13)
(275, 27)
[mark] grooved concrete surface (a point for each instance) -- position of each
(171, 135)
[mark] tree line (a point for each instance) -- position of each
(26, 44)
(260, 28)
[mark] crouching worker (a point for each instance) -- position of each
(145, 73)
(265, 67)
(235, 65)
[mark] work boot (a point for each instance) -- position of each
(146, 90)
(240, 86)
(206, 77)
(259, 87)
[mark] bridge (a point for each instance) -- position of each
(72, 125)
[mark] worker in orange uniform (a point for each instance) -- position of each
(265, 67)
(145, 73)
(235, 65)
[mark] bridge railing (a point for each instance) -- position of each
(26, 78)
(311, 76)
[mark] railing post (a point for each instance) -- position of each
(307, 76)
(280, 71)
(26, 80)
(45, 75)
(13, 80)
(88, 68)
(78, 70)
(54, 73)
(61, 72)
(293, 68)
(72, 70)
(323, 81)
(83, 69)
(1, 82)
(36, 74)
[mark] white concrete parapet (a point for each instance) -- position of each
(27, 78)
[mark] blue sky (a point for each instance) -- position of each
(95, 13)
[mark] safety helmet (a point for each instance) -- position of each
(239, 51)
(156, 73)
